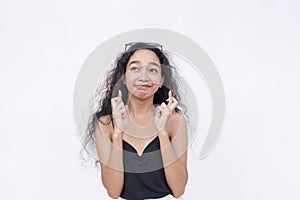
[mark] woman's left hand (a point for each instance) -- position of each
(163, 112)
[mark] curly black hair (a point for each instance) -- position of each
(114, 82)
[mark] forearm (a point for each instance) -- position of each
(175, 169)
(113, 173)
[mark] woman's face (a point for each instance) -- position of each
(143, 74)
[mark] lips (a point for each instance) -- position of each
(143, 87)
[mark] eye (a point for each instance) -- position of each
(135, 69)
(153, 70)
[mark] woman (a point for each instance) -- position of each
(139, 132)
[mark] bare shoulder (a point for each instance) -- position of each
(104, 125)
(104, 119)
(177, 121)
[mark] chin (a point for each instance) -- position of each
(142, 95)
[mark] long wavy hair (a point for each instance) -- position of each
(114, 82)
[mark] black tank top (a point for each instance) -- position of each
(144, 175)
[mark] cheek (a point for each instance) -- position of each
(132, 75)
(129, 78)
(156, 79)
(129, 81)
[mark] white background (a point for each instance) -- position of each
(254, 44)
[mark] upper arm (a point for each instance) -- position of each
(179, 138)
(103, 133)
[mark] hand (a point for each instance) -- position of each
(119, 112)
(163, 112)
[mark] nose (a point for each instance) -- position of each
(144, 76)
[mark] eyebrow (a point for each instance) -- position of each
(139, 62)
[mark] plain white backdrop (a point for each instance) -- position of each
(254, 45)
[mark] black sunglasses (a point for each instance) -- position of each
(139, 45)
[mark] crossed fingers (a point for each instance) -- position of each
(172, 102)
(117, 104)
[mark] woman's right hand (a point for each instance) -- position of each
(120, 113)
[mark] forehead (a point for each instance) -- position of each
(144, 55)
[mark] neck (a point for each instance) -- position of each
(139, 108)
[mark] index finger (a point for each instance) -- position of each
(119, 97)
(170, 94)
(170, 99)
(174, 104)
(120, 94)
(113, 103)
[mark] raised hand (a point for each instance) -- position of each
(163, 112)
(119, 112)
